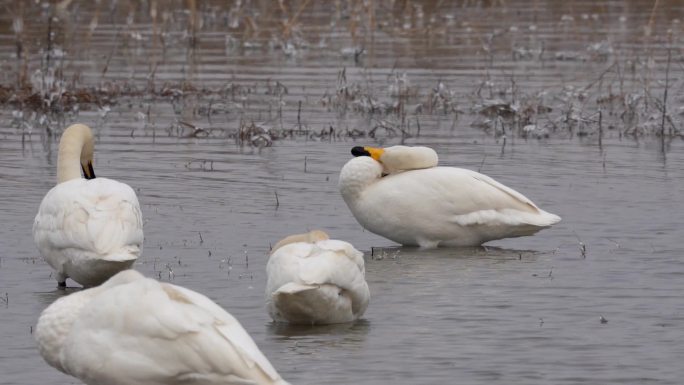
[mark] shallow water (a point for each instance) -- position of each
(523, 310)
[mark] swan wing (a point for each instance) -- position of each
(156, 333)
(97, 218)
(437, 205)
(344, 248)
(232, 331)
(284, 265)
(516, 197)
(513, 208)
(326, 262)
(464, 191)
(337, 268)
(442, 195)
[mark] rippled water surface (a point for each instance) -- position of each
(518, 311)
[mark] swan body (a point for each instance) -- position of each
(316, 280)
(436, 206)
(136, 330)
(87, 229)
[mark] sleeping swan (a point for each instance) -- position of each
(135, 330)
(418, 204)
(87, 229)
(315, 280)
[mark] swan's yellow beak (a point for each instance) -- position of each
(373, 152)
(88, 171)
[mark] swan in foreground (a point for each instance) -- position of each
(315, 280)
(136, 330)
(400, 194)
(87, 229)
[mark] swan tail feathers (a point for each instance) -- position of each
(546, 219)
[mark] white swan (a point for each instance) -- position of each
(135, 330)
(87, 229)
(434, 206)
(315, 280)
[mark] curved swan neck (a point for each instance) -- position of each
(75, 151)
(358, 174)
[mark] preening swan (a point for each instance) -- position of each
(432, 206)
(315, 280)
(87, 229)
(134, 330)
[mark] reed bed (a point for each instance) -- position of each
(620, 89)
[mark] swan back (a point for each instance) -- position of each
(76, 149)
(89, 229)
(134, 330)
(310, 237)
(316, 282)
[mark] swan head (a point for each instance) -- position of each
(76, 148)
(310, 237)
(374, 152)
(357, 174)
(400, 158)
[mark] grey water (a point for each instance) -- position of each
(596, 299)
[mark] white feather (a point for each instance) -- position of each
(316, 283)
(402, 158)
(437, 206)
(87, 230)
(135, 330)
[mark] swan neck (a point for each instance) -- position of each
(75, 151)
(356, 175)
(350, 191)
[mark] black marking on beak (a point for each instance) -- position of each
(89, 173)
(360, 151)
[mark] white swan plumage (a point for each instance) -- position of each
(419, 204)
(136, 330)
(87, 229)
(316, 280)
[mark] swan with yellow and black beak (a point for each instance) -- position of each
(401, 194)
